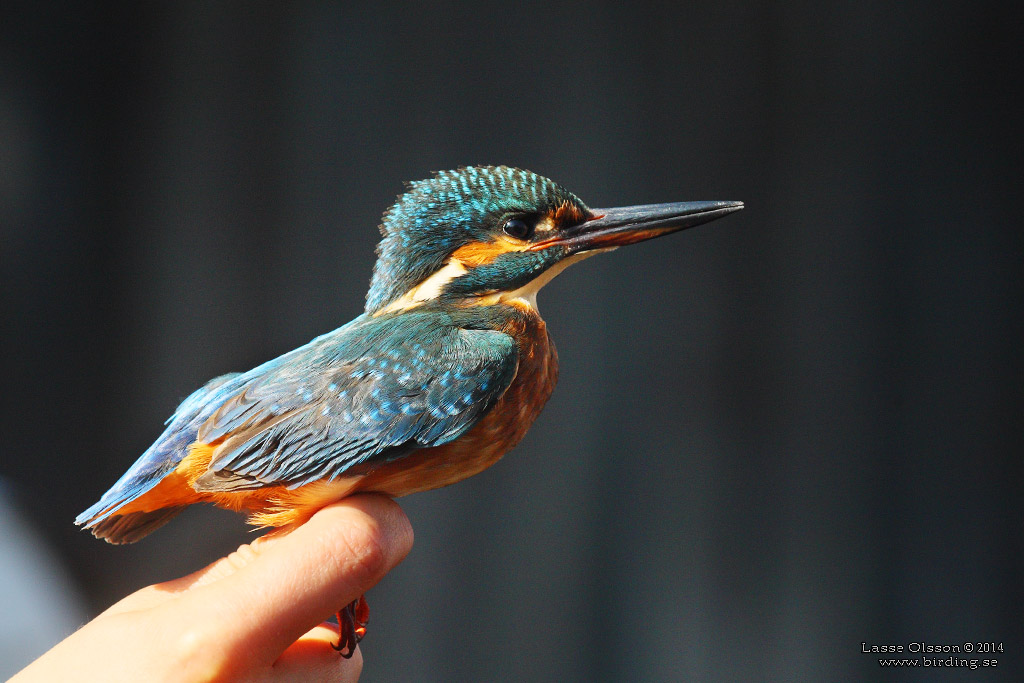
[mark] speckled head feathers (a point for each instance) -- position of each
(437, 216)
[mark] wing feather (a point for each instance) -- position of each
(379, 399)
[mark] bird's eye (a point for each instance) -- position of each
(518, 228)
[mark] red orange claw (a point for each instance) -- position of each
(352, 619)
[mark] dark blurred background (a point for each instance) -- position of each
(775, 436)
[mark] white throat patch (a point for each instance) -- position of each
(527, 294)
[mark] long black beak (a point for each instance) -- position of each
(630, 224)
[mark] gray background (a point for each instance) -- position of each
(774, 437)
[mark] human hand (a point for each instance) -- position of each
(255, 615)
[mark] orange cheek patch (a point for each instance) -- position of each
(481, 253)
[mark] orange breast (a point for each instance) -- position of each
(498, 432)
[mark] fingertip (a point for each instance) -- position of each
(371, 523)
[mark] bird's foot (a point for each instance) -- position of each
(352, 620)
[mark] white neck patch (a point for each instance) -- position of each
(427, 290)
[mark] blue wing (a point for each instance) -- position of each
(387, 386)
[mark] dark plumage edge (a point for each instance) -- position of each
(120, 529)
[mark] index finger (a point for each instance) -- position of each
(289, 584)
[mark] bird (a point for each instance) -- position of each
(439, 377)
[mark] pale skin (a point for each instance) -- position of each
(255, 615)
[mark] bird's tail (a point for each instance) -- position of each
(121, 529)
(103, 520)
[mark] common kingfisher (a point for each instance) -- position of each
(440, 376)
